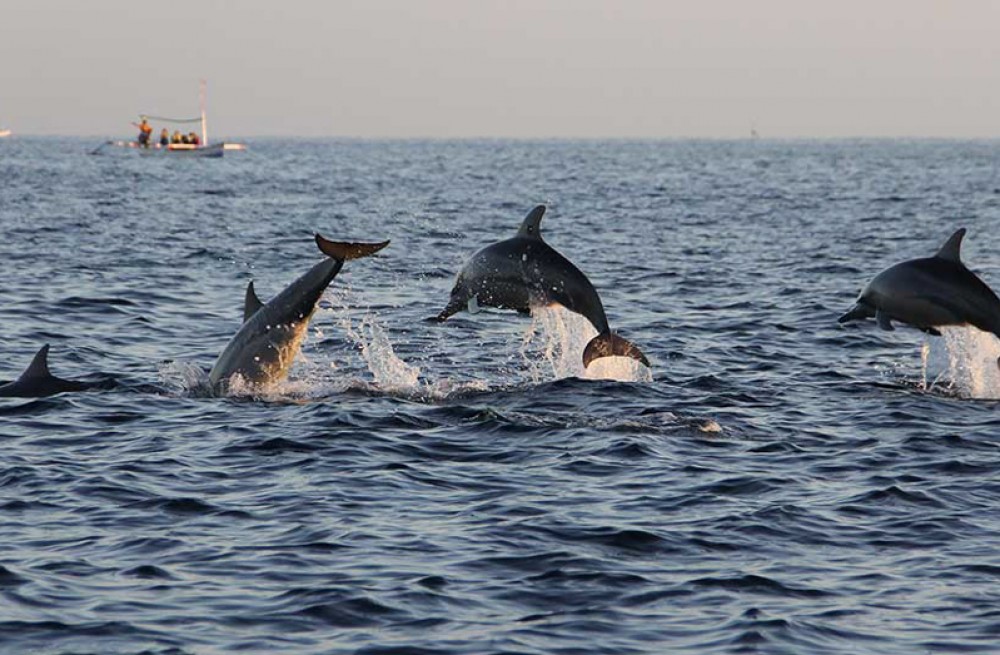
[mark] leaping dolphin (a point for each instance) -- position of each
(37, 382)
(928, 293)
(525, 272)
(263, 349)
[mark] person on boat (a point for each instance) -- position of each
(193, 139)
(145, 130)
(184, 139)
(164, 137)
(176, 138)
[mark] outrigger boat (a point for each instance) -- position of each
(202, 149)
(211, 150)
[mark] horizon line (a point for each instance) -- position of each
(346, 137)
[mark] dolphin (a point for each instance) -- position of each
(37, 382)
(524, 272)
(263, 349)
(928, 293)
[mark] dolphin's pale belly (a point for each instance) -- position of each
(265, 346)
(261, 356)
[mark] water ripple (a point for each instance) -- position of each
(777, 483)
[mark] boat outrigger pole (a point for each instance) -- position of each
(204, 121)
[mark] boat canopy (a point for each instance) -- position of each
(170, 120)
(200, 119)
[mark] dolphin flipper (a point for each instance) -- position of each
(883, 320)
(251, 303)
(609, 344)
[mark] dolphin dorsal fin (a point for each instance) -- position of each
(532, 225)
(39, 366)
(251, 303)
(951, 250)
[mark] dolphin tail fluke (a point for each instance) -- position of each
(609, 344)
(344, 251)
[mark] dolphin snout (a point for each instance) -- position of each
(858, 312)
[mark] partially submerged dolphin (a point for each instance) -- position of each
(36, 381)
(263, 349)
(929, 293)
(525, 272)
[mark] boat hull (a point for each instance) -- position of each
(181, 149)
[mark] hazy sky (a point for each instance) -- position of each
(521, 68)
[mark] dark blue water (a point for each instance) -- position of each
(777, 484)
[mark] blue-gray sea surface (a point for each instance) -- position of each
(778, 483)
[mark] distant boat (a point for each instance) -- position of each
(4, 133)
(189, 149)
(202, 149)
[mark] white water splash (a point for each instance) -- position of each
(389, 371)
(552, 348)
(963, 361)
(182, 377)
(393, 375)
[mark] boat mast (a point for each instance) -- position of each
(204, 122)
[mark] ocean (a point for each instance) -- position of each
(775, 483)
